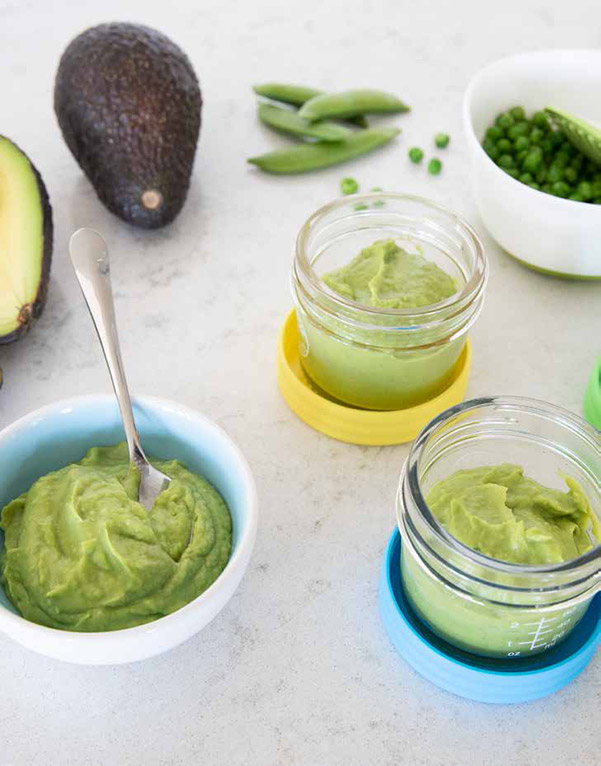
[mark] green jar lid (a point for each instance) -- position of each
(592, 397)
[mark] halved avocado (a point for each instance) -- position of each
(25, 242)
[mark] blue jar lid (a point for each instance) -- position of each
(468, 675)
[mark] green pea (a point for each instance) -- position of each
(569, 149)
(519, 129)
(570, 175)
(520, 157)
(513, 172)
(434, 166)
(416, 154)
(488, 145)
(349, 186)
(504, 145)
(536, 136)
(521, 143)
(562, 159)
(494, 133)
(534, 185)
(547, 188)
(576, 197)
(577, 162)
(540, 119)
(597, 201)
(560, 189)
(442, 140)
(556, 139)
(526, 178)
(533, 160)
(506, 161)
(492, 152)
(541, 176)
(517, 112)
(505, 120)
(585, 189)
(555, 174)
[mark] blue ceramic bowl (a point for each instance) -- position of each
(61, 433)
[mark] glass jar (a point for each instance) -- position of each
(381, 358)
(479, 604)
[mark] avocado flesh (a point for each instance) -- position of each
(25, 242)
(128, 104)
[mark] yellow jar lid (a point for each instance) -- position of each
(351, 424)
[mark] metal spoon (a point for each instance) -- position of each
(90, 259)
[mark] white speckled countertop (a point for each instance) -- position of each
(297, 670)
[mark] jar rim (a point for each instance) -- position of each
(472, 286)
(579, 565)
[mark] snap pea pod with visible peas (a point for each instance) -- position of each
(301, 159)
(288, 121)
(351, 103)
(296, 95)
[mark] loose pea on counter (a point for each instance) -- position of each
(416, 154)
(533, 151)
(434, 166)
(349, 186)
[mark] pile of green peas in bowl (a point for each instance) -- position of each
(532, 150)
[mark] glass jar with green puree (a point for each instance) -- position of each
(551, 461)
(386, 287)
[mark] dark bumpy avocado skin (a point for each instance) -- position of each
(32, 311)
(128, 104)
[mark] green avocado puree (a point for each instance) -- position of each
(505, 515)
(387, 367)
(386, 276)
(81, 553)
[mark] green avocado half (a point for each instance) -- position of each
(25, 242)
(128, 103)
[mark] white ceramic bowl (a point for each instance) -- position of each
(548, 233)
(61, 433)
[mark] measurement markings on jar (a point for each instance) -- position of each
(543, 628)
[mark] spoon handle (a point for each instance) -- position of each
(90, 259)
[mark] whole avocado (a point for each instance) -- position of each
(128, 104)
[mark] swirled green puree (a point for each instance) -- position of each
(386, 276)
(81, 553)
(505, 515)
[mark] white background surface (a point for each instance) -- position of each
(297, 671)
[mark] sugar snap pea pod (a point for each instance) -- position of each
(288, 94)
(288, 121)
(300, 159)
(350, 103)
(296, 95)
